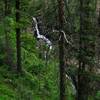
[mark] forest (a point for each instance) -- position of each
(49, 49)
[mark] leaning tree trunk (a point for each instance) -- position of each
(18, 41)
(61, 50)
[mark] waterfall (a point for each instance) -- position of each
(39, 36)
(72, 84)
(49, 44)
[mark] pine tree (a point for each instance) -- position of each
(8, 50)
(61, 50)
(18, 33)
(87, 48)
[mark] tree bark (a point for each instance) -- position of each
(6, 33)
(99, 18)
(86, 49)
(8, 58)
(61, 50)
(18, 41)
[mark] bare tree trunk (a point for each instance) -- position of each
(99, 18)
(87, 49)
(61, 50)
(18, 41)
(6, 33)
(46, 4)
(8, 50)
(81, 56)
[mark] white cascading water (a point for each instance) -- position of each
(49, 44)
(39, 36)
(73, 86)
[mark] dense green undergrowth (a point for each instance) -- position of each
(30, 85)
(26, 86)
(38, 80)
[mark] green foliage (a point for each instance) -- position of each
(97, 97)
(38, 80)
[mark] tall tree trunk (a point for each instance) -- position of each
(81, 84)
(8, 59)
(99, 18)
(46, 4)
(87, 49)
(6, 33)
(18, 41)
(61, 50)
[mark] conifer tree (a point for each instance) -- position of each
(87, 48)
(61, 50)
(18, 33)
